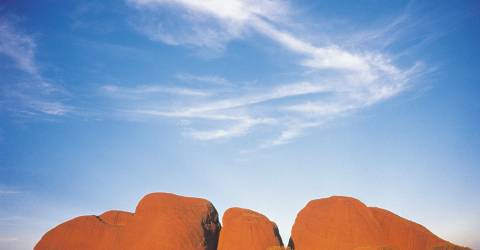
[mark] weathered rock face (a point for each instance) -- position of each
(344, 223)
(161, 221)
(247, 229)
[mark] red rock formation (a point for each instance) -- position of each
(247, 229)
(168, 221)
(335, 223)
(161, 221)
(344, 223)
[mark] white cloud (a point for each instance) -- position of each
(257, 97)
(319, 108)
(285, 137)
(340, 81)
(8, 239)
(241, 127)
(233, 10)
(328, 57)
(30, 94)
(208, 24)
(261, 16)
(17, 46)
(8, 191)
(207, 79)
(49, 108)
(142, 90)
(31, 99)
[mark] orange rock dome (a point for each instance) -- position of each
(161, 221)
(247, 229)
(344, 223)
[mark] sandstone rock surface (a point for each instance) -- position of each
(344, 223)
(247, 229)
(160, 221)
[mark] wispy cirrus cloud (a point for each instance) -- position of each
(206, 79)
(342, 76)
(27, 93)
(17, 46)
(208, 24)
(141, 90)
(8, 239)
(9, 191)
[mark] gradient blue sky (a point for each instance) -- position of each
(258, 104)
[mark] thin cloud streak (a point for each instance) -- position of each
(284, 91)
(242, 127)
(208, 79)
(31, 94)
(151, 89)
(17, 46)
(4, 191)
(8, 239)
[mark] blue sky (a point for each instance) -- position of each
(258, 104)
